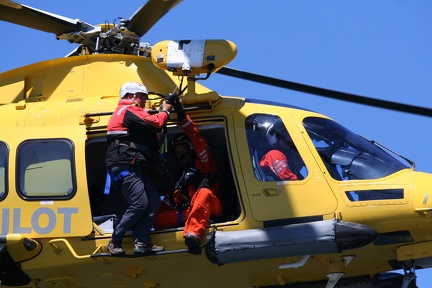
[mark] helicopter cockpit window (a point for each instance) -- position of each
(273, 153)
(45, 169)
(346, 155)
(3, 170)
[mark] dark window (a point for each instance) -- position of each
(378, 194)
(4, 153)
(346, 155)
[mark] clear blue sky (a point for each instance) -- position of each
(380, 49)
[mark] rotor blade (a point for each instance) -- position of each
(149, 14)
(326, 92)
(10, 4)
(37, 19)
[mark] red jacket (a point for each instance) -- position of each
(133, 134)
(277, 162)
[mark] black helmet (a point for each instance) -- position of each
(180, 139)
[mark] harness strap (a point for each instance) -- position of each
(107, 184)
(127, 143)
(116, 178)
(179, 217)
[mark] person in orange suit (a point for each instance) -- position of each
(196, 194)
(276, 160)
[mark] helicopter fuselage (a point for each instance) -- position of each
(354, 210)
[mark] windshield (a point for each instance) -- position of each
(346, 155)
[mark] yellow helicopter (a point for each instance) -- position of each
(356, 212)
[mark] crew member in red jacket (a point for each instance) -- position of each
(197, 185)
(275, 160)
(133, 140)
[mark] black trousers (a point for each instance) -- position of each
(144, 202)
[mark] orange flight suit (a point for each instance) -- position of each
(203, 202)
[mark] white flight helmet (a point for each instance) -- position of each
(132, 88)
(276, 132)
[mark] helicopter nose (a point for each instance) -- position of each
(422, 193)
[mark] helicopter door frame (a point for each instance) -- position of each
(46, 193)
(309, 198)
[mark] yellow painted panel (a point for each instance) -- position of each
(414, 251)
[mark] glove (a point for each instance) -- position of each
(170, 98)
(178, 107)
(179, 201)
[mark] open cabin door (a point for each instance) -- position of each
(43, 189)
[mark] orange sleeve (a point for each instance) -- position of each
(277, 162)
(205, 163)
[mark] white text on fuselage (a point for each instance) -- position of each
(63, 217)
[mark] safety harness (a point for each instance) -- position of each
(116, 176)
